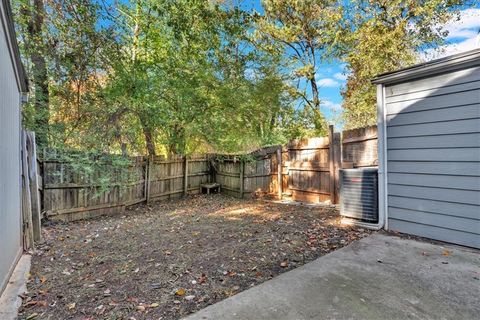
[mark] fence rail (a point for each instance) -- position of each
(303, 170)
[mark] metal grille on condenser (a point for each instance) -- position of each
(359, 194)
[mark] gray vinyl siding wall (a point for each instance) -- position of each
(433, 157)
(10, 190)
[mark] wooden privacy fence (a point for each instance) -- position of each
(307, 168)
(176, 176)
(71, 194)
(302, 170)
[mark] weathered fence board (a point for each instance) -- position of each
(305, 170)
(73, 194)
(360, 147)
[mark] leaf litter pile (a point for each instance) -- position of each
(170, 259)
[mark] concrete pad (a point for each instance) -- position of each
(10, 299)
(378, 277)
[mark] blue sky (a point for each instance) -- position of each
(463, 36)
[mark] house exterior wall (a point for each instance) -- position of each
(10, 187)
(433, 156)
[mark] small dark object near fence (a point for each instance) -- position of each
(210, 187)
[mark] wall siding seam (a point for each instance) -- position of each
(434, 226)
(439, 213)
(430, 199)
(432, 108)
(434, 174)
(433, 88)
(432, 96)
(432, 187)
(428, 122)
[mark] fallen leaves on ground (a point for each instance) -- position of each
(172, 258)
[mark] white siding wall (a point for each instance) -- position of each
(10, 200)
(433, 154)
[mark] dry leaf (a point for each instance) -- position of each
(71, 306)
(202, 279)
(154, 305)
(36, 302)
(180, 292)
(284, 264)
(446, 253)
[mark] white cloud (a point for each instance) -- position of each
(331, 105)
(466, 27)
(340, 76)
(463, 34)
(328, 82)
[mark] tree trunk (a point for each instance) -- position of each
(40, 79)
(149, 140)
(319, 121)
(177, 144)
(35, 47)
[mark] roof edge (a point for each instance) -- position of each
(454, 62)
(10, 36)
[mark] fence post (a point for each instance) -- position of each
(331, 162)
(337, 156)
(147, 178)
(242, 171)
(279, 173)
(150, 164)
(185, 177)
(33, 185)
(26, 198)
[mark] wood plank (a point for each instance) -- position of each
(28, 239)
(279, 173)
(34, 189)
(185, 177)
(241, 178)
(331, 163)
(337, 153)
(310, 190)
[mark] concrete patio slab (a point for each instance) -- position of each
(379, 277)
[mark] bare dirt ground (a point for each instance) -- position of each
(167, 260)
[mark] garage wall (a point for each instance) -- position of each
(433, 157)
(10, 200)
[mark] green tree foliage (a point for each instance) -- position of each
(386, 35)
(157, 77)
(183, 76)
(304, 31)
